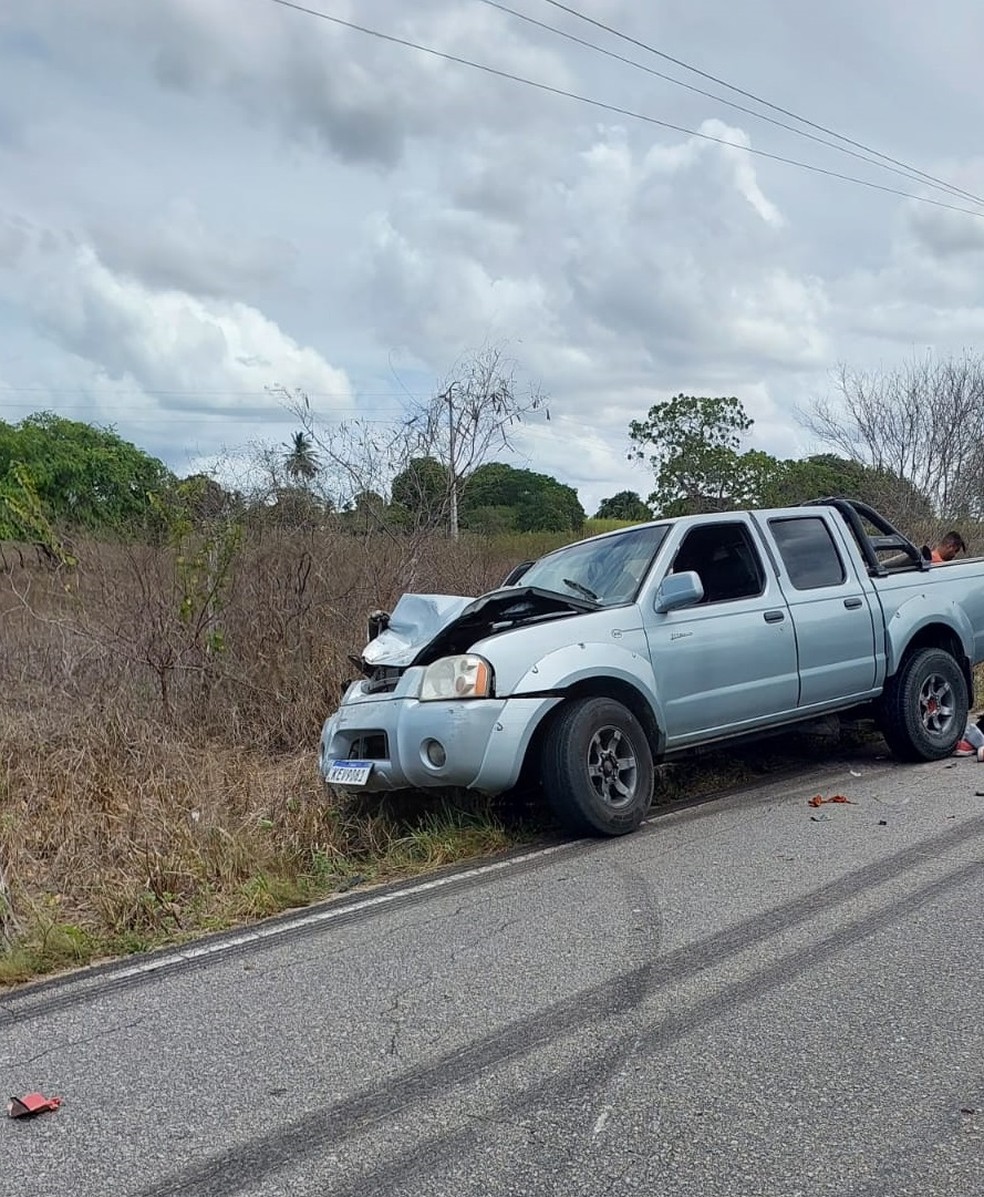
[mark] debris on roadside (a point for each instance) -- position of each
(821, 818)
(883, 822)
(819, 800)
(31, 1104)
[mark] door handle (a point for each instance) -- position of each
(852, 604)
(774, 616)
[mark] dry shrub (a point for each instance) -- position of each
(258, 662)
(158, 756)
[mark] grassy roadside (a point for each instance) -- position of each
(185, 843)
(160, 709)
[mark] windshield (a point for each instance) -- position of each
(607, 571)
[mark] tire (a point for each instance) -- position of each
(597, 768)
(923, 712)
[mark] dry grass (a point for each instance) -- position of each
(158, 740)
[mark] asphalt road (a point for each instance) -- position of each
(737, 1000)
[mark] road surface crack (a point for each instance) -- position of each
(65, 1044)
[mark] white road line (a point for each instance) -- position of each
(317, 917)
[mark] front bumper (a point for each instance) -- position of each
(484, 740)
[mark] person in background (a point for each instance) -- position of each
(947, 549)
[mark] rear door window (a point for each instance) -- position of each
(808, 552)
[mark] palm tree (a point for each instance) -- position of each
(301, 461)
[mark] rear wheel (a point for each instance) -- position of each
(597, 768)
(924, 708)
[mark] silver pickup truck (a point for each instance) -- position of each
(600, 659)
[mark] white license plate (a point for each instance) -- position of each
(349, 773)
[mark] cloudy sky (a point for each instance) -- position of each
(200, 199)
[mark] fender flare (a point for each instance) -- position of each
(585, 662)
(917, 614)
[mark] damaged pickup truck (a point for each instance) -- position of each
(603, 658)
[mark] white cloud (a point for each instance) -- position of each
(744, 172)
(194, 372)
(609, 259)
(214, 351)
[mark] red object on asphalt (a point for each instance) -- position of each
(31, 1103)
(819, 800)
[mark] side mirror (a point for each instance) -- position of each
(679, 590)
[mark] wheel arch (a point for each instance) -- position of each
(943, 636)
(614, 688)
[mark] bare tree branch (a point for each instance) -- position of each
(922, 421)
(473, 416)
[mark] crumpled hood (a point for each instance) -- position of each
(413, 623)
(423, 627)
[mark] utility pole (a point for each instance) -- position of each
(452, 463)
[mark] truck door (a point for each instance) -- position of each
(831, 610)
(730, 661)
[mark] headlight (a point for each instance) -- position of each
(457, 677)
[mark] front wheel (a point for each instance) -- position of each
(597, 768)
(924, 708)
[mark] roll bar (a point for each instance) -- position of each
(854, 511)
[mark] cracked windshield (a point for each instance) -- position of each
(608, 571)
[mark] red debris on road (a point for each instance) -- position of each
(31, 1103)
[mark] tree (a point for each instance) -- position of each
(420, 490)
(626, 505)
(496, 484)
(499, 497)
(205, 498)
(365, 511)
(490, 521)
(301, 461)
(920, 422)
(692, 444)
(83, 476)
(827, 474)
(367, 502)
(286, 485)
(472, 415)
(554, 507)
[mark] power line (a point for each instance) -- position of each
(152, 412)
(614, 108)
(758, 99)
(41, 390)
(911, 173)
(97, 402)
(136, 414)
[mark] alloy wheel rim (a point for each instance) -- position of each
(612, 767)
(937, 705)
